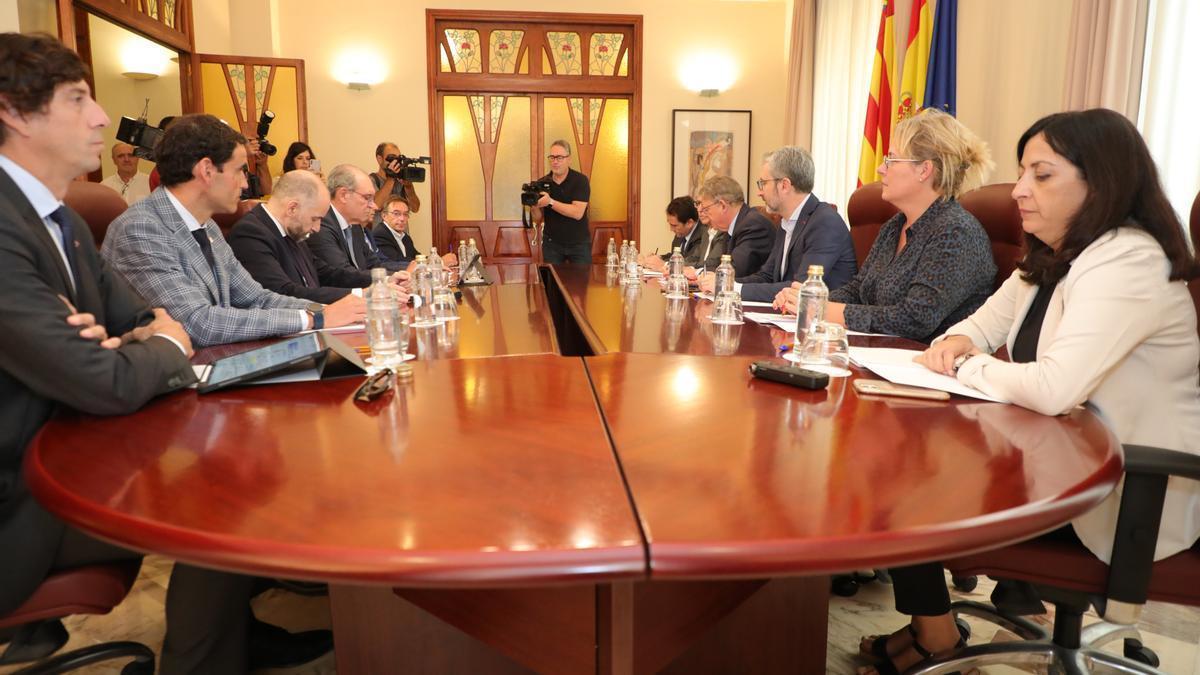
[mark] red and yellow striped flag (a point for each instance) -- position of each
(916, 61)
(878, 129)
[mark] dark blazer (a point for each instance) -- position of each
(45, 366)
(389, 250)
(819, 238)
(753, 235)
(694, 248)
(332, 257)
(275, 263)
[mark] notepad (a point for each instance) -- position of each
(897, 366)
(788, 322)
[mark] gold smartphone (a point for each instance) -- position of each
(885, 388)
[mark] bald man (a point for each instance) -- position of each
(131, 184)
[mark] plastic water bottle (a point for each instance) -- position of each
(383, 321)
(677, 286)
(423, 316)
(441, 276)
(724, 276)
(462, 259)
(472, 273)
(632, 274)
(813, 296)
(610, 259)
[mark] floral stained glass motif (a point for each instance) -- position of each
(237, 75)
(577, 112)
(169, 6)
(262, 75)
(476, 103)
(594, 106)
(151, 8)
(564, 49)
(503, 47)
(602, 55)
(497, 106)
(464, 49)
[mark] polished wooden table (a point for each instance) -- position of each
(647, 509)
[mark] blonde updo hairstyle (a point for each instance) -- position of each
(961, 161)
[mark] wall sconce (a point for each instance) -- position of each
(135, 75)
(358, 86)
(143, 60)
(359, 68)
(708, 73)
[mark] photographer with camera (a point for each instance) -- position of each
(258, 149)
(391, 179)
(563, 208)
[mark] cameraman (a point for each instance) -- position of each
(564, 210)
(385, 182)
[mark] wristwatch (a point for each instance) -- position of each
(960, 361)
(317, 311)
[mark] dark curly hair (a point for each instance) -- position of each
(188, 140)
(31, 68)
(1122, 191)
(289, 160)
(684, 209)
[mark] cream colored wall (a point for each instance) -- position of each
(38, 16)
(119, 95)
(211, 18)
(344, 125)
(10, 21)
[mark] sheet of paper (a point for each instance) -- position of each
(651, 273)
(896, 366)
(745, 303)
(349, 328)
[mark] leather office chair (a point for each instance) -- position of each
(97, 204)
(1195, 221)
(1071, 578)
(35, 628)
(867, 213)
(775, 218)
(996, 210)
(226, 221)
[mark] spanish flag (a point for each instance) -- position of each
(878, 129)
(916, 61)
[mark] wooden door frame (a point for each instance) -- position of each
(535, 84)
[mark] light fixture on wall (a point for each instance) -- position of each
(142, 59)
(358, 86)
(359, 68)
(708, 73)
(136, 75)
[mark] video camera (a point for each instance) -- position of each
(408, 172)
(532, 191)
(140, 135)
(264, 126)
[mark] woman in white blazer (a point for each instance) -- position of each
(1096, 314)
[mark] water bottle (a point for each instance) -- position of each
(813, 296)
(610, 259)
(441, 277)
(462, 259)
(423, 316)
(677, 286)
(724, 276)
(383, 321)
(632, 274)
(472, 253)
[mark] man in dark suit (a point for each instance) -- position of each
(269, 239)
(811, 232)
(722, 206)
(391, 235)
(61, 303)
(690, 236)
(340, 249)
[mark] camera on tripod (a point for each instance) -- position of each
(264, 125)
(408, 172)
(532, 191)
(140, 135)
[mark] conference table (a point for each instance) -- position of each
(580, 477)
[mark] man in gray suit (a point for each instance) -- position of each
(169, 248)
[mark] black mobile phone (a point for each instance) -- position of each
(797, 377)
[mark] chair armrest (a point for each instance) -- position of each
(1146, 472)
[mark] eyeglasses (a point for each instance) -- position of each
(556, 158)
(704, 209)
(761, 182)
(891, 159)
(369, 196)
(397, 214)
(374, 386)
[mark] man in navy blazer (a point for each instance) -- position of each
(722, 206)
(343, 250)
(269, 240)
(811, 232)
(391, 235)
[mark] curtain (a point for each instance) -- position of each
(846, 35)
(798, 117)
(1171, 100)
(1104, 55)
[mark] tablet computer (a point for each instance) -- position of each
(298, 351)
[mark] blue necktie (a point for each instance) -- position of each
(60, 218)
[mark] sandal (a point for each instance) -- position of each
(887, 667)
(878, 644)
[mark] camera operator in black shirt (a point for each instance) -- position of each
(388, 181)
(564, 209)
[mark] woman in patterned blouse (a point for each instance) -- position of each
(931, 265)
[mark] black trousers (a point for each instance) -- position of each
(207, 611)
(554, 252)
(921, 589)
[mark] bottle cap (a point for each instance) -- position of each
(472, 240)
(678, 249)
(433, 250)
(816, 269)
(420, 258)
(725, 257)
(378, 273)
(462, 242)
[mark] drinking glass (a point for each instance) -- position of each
(727, 309)
(826, 349)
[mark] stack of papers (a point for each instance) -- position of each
(897, 366)
(788, 322)
(745, 303)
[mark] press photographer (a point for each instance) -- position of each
(258, 149)
(563, 208)
(396, 176)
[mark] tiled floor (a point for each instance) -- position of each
(1172, 631)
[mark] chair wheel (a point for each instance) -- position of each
(863, 576)
(1136, 651)
(964, 629)
(966, 584)
(138, 668)
(845, 586)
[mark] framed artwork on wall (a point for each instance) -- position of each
(707, 143)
